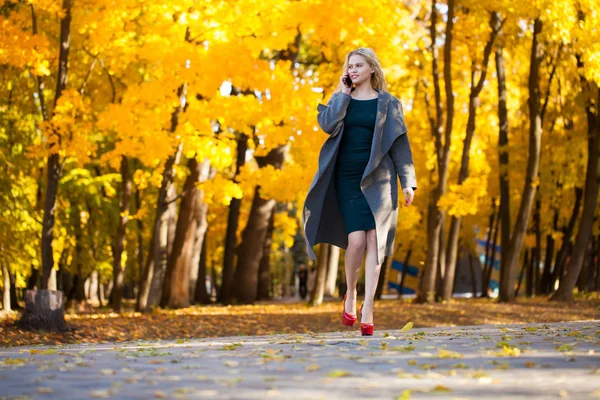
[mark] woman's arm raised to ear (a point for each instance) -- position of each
(333, 112)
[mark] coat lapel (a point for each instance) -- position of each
(377, 152)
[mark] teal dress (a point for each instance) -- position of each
(353, 156)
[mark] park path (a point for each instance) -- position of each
(518, 361)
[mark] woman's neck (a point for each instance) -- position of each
(364, 91)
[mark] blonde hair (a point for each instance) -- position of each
(377, 78)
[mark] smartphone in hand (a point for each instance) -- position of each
(348, 81)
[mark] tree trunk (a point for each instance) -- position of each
(529, 274)
(201, 295)
(332, 271)
(176, 287)
(118, 246)
(546, 282)
(140, 237)
(473, 275)
(76, 297)
(51, 319)
(316, 298)
(232, 225)
(504, 209)
(200, 237)
(583, 280)
(6, 303)
(597, 264)
(488, 248)
(522, 274)
(406, 260)
(44, 310)
(33, 280)
(251, 248)
(453, 236)
(426, 292)
(381, 283)
(153, 274)
(567, 282)
(264, 270)
(561, 257)
(537, 251)
(535, 136)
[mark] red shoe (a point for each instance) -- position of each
(347, 319)
(366, 329)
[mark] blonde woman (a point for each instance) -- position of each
(353, 200)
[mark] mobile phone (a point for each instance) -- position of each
(348, 81)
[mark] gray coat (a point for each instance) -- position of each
(391, 157)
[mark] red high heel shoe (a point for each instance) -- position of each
(366, 329)
(347, 319)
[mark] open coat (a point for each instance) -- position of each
(390, 158)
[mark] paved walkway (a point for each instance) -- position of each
(533, 361)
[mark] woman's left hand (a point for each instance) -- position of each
(409, 195)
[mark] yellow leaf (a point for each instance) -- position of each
(406, 327)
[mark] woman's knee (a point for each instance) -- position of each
(371, 239)
(356, 242)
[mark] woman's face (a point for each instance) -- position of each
(359, 69)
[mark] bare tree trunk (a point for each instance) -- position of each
(453, 235)
(488, 248)
(201, 295)
(118, 246)
(159, 249)
(42, 315)
(546, 282)
(406, 260)
(561, 257)
(140, 238)
(597, 264)
(332, 271)
(250, 250)
(535, 136)
(383, 278)
(536, 252)
(76, 297)
(426, 292)
(567, 282)
(473, 275)
(54, 168)
(6, 304)
(176, 286)
(232, 225)
(200, 236)
(584, 278)
(264, 273)
(522, 274)
(504, 211)
(316, 298)
(441, 267)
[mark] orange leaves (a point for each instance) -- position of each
(68, 131)
(220, 190)
(461, 200)
(21, 49)
(210, 321)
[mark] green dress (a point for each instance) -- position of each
(353, 156)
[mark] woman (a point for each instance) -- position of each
(353, 200)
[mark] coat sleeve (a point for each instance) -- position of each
(401, 153)
(332, 113)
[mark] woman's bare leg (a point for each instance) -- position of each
(353, 259)
(371, 277)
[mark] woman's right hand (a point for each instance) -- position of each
(346, 89)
